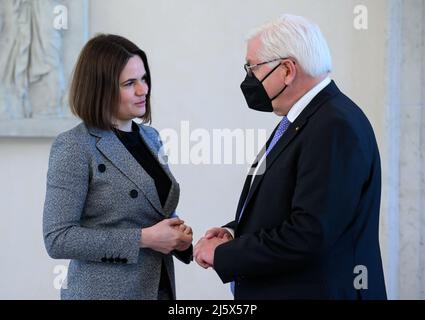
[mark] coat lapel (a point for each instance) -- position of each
(291, 133)
(110, 146)
(174, 193)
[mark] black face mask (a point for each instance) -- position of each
(255, 94)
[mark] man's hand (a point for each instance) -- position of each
(205, 248)
(221, 233)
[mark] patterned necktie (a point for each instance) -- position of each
(283, 126)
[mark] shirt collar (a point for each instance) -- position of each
(300, 105)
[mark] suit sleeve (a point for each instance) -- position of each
(331, 170)
(231, 225)
(67, 187)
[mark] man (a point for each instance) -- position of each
(307, 222)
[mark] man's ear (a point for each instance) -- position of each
(289, 71)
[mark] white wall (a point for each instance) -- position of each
(196, 51)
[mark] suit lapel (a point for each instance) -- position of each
(243, 196)
(110, 146)
(291, 133)
(286, 139)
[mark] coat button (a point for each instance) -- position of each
(101, 168)
(134, 194)
(104, 259)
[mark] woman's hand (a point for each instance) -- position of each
(167, 235)
(187, 231)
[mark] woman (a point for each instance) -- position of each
(110, 201)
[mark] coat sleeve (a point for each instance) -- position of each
(67, 187)
(187, 255)
(184, 256)
(331, 171)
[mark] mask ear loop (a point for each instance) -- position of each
(281, 91)
(268, 74)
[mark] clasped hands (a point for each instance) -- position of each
(204, 249)
(172, 234)
(167, 235)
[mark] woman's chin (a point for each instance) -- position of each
(140, 112)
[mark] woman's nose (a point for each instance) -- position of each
(141, 89)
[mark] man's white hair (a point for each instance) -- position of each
(295, 37)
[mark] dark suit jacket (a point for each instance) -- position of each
(313, 216)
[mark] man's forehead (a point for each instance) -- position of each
(250, 58)
(252, 50)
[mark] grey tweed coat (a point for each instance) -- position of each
(98, 198)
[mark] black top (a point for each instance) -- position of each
(140, 151)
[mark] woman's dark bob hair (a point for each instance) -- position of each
(95, 89)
